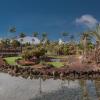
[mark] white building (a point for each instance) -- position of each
(60, 41)
(29, 39)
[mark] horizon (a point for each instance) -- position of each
(53, 17)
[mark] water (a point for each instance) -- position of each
(17, 88)
(55, 60)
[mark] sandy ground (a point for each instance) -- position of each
(76, 64)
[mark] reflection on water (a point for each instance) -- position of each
(17, 88)
(55, 60)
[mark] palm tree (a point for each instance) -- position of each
(35, 34)
(3, 44)
(72, 38)
(7, 42)
(44, 37)
(15, 43)
(22, 35)
(84, 40)
(96, 34)
(64, 35)
(12, 30)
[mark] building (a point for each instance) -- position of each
(4, 52)
(29, 39)
(60, 41)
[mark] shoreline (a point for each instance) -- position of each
(45, 73)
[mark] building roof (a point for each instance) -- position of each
(61, 41)
(29, 39)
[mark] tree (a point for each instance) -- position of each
(80, 48)
(44, 38)
(36, 52)
(3, 44)
(7, 41)
(72, 38)
(64, 35)
(15, 43)
(12, 30)
(35, 34)
(90, 46)
(96, 34)
(26, 54)
(44, 35)
(22, 35)
(85, 40)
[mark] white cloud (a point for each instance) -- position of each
(87, 20)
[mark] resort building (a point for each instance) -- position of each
(29, 39)
(60, 41)
(10, 51)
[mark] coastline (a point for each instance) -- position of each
(45, 73)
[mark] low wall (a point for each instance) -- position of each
(28, 72)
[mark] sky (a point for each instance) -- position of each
(51, 16)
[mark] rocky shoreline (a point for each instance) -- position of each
(45, 73)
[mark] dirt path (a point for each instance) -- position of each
(76, 64)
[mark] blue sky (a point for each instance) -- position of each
(51, 16)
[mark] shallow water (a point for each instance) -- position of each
(17, 88)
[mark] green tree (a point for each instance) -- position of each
(72, 38)
(96, 35)
(64, 35)
(3, 44)
(85, 40)
(15, 43)
(44, 36)
(13, 30)
(7, 42)
(37, 52)
(22, 35)
(35, 34)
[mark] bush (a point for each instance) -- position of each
(36, 52)
(50, 66)
(26, 63)
(43, 63)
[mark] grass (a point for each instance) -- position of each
(56, 64)
(12, 60)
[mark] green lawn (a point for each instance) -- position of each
(12, 60)
(56, 64)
